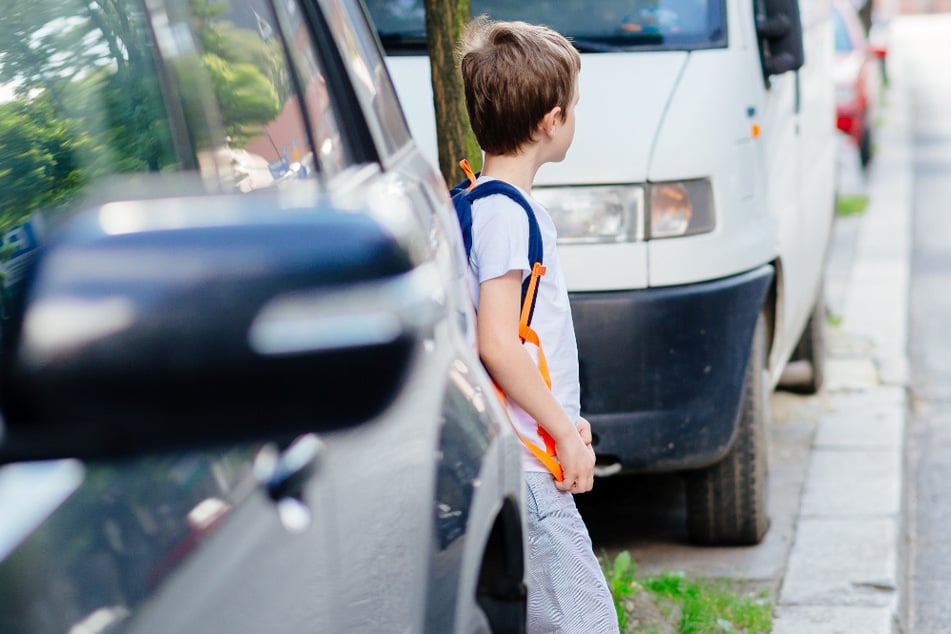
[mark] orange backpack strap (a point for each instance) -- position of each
(462, 195)
(527, 333)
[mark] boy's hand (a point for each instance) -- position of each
(577, 464)
(584, 428)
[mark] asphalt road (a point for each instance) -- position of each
(928, 47)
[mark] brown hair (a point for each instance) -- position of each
(514, 73)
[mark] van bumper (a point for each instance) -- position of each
(662, 369)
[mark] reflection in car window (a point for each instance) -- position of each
(82, 102)
(594, 26)
(332, 152)
(368, 73)
(266, 141)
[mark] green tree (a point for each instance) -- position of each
(88, 106)
(247, 99)
(37, 164)
(445, 20)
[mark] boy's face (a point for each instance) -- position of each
(565, 131)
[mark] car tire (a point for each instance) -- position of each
(726, 502)
(501, 594)
(865, 145)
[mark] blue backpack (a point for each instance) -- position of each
(463, 195)
(466, 192)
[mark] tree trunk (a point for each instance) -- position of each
(445, 20)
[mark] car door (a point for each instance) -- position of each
(184, 99)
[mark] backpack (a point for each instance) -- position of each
(463, 195)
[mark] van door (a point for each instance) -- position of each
(800, 116)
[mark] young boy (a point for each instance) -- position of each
(521, 86)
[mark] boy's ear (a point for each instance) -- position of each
(549, 122)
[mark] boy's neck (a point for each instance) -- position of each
(515, 169)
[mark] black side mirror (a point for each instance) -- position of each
(185, 322)
(779, 28)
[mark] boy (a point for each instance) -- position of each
(521, 87)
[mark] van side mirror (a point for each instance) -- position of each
(190, 322)
(779, 28)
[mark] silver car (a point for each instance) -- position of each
(239, 386)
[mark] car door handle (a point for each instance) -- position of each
(285, 473)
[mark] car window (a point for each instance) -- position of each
(71, 120)
(98, 103)
(239, 93)
(365, 65)
(332, 152)
(82, 102)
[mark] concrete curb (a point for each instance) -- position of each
(844, 572)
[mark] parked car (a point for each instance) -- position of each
(879, 40)
(858, 79)
(693, 253)
(238, 378)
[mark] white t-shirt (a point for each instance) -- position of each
(500, 245)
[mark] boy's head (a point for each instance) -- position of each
(514, 74)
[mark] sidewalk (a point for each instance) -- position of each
(844, 573)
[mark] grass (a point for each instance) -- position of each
(670, 602)
(850, 205)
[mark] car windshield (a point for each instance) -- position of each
(593, 26)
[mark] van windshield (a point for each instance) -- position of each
(592, 25)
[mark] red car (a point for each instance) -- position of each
(857, 76)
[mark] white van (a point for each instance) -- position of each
(694, 212)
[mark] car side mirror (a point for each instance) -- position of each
(779, 28)
(181, 323)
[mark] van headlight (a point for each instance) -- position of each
(607, 213)
(629, 213)
(681, 208)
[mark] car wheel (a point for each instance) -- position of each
(726, 502)
(865, 145)
(501, 592)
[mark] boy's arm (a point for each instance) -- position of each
(514, 371)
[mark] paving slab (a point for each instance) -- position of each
(851, 374)
(842, 562)
(853, 483)
(823, 620)
(862, 429)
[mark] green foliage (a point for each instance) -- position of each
(37, 166)
(620, 577)
(710, 607)
(88, 102)
(850, 205)
(706, 607)
(248, 100)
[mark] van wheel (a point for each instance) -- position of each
(812, 349)
(726, 502)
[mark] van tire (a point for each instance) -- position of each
(726, 502)
(812, 349)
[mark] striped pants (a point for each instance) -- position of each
(567, 592)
